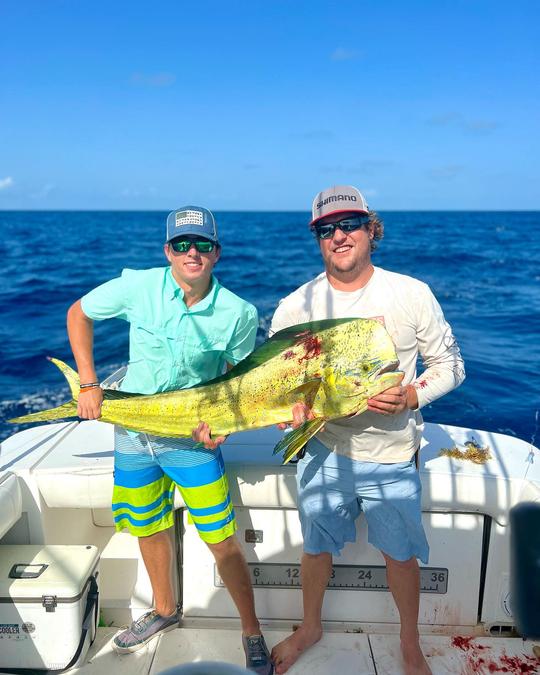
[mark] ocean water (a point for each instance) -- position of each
(484, 268)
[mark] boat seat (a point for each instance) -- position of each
(78, 473)
(10, 502)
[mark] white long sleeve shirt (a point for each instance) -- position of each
(416, 324)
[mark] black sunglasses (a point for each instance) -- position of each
(183, 244)
(327, 230)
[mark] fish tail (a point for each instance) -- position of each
(71, 376)
(68, 409)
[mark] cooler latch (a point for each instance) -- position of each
(49, 602)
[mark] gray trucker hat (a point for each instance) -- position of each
(337, 199)
(191, 220)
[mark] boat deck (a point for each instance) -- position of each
(343, 653)
(55, 489)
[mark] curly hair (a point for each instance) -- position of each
(377, 225)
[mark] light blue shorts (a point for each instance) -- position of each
(333, 489)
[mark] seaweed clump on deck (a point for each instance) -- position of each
(474, 452)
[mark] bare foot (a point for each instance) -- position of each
(288, 651)
(414, 662)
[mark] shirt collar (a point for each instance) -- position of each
(176, 292)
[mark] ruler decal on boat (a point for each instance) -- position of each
(344, 577)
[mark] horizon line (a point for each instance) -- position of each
(218, 210)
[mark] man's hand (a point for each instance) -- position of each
(394, 401)
(202, 434)
(89, 403)
(300, 414)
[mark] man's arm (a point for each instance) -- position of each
(444, 368)
(81, 338)
(107, 301)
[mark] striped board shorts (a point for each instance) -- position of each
(146, 471)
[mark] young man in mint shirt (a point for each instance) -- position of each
(185, 328)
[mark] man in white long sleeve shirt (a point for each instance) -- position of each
(366, 462)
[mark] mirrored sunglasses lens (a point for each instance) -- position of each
(181, 246)
(325, 231)
(349, 225)
(352, 224)
(204, 246)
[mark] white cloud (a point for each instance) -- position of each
(470, 126)
(6, 182)
(371, 166)
(342, 54)
(314, 135)
(480, 126)
(43, 192)
(153, 79)
(366, 167)
(444, 119)
(446, 172)
(369, 192)
(128, 192)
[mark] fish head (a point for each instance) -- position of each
(361, 361)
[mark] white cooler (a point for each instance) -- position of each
(49, 605)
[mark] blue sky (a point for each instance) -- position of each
(258, 105)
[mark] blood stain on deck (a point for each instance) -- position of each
(481, 661)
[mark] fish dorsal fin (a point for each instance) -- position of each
(294, 441)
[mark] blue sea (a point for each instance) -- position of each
(484, 267)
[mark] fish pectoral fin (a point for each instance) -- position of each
(306, 392)
(294, 441)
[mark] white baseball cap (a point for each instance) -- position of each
(337, 199)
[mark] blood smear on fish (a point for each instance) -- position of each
(312, 346)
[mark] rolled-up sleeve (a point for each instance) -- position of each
(243, 338)
(444, 367)
(109, 300)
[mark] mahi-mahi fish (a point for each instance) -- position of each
(333, 365)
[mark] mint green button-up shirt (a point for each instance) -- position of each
(172, 346)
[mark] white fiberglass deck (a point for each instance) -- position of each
(55, 488)
(343, 653)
